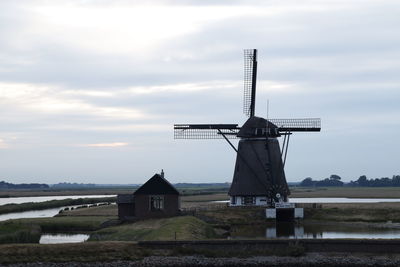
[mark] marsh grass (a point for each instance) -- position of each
(19, 233)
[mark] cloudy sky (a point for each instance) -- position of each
(90, 90)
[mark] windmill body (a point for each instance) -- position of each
(259, 176)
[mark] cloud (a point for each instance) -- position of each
(53, 100)
(108, 145)
(128, 70)
(3, 144)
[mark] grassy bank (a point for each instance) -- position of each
(105, 210)
(83, 252)
(360, 214)
(19, 233)
(183, 228)
(9, 208)
(365, 212)
(66, 223)
(233, 215)
(116, 251)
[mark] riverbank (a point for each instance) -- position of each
(309, 260)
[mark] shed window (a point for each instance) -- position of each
(249, 200)
(156, 202)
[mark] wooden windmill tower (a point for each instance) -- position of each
(259, 177)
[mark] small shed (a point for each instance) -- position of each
(154, 199)
(126, 206)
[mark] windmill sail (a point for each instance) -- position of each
(250, 77)
(297, 125)
(205, 131)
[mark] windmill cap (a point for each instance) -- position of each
(256, 127)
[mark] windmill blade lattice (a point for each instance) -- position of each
(205, 131)
(297, 125)
(250, 75)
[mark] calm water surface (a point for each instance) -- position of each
(31, 214)
(19, 200)
(311, 231)
(62, 238)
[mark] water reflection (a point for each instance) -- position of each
(62, 238)
(311, 231)
(31, 214)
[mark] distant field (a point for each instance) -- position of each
(37, 193)
(106, 191)
(350, 192)
(203, 194)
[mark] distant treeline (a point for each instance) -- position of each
(193, 185)
(72, 185)
(5, 185)
(65, 185)
(335, 180)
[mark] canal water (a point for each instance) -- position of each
(312, 231)
(62, 238)
(39, 213)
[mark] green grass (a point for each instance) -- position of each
(233, 215)
(185, 228)
(9, 208)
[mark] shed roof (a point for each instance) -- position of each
(156, 185)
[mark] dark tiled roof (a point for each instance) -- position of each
(125, 198)
(158, 186)
(249, 127)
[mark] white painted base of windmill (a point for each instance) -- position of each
(270, 213)
(239, 201)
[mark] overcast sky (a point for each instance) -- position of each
(90, 90)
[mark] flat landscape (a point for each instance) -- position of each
(205, 218)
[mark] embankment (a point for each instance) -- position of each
(391, 246)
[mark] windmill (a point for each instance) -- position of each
(259, 177)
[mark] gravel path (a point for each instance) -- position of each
(309, 260)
